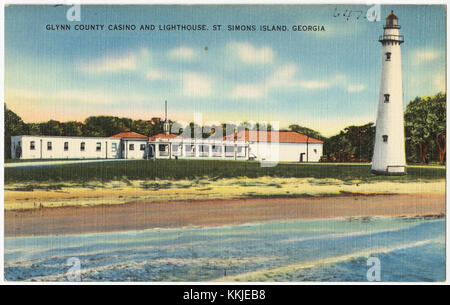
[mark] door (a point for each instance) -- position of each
(302, 157)
(151, 150)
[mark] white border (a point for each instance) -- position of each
(198, 2)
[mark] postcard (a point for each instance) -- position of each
(282, 143)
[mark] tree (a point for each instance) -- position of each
(14, 126)
(307, 131)
(354, 143)
(106, 126)
(72, 128)
(438, 123)
(425, 123)
(51, 128)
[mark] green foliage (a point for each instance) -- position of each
(106, 126)
(14, 126)
(51, 128)
(425, 134)
(425, 128)
(72, 128)
(306, 131)
(356, 142)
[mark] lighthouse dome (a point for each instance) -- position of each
(391, 16)
(391, 20)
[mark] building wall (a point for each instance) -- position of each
(131, 149)
(57, 150)
(286, 152)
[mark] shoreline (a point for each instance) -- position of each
(147, 214)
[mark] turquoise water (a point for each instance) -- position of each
(409, 249)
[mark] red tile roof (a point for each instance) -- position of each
(162, 136)
(266, 136)
(129, 135)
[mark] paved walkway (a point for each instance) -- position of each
(58, 162)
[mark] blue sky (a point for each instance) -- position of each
(323, 80)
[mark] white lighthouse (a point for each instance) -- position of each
(389, 151)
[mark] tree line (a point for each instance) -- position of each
(425, 132)
(425, 135)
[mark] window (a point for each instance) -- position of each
(190, 150)
(386, 98)
(66, 146)
(229, 149)
(113, 146)
(82, 146)
(388, 56)
(163, 149)
(131, 146)
(385, 138)
(32, 145)
(49, 145)
(315, 151)
(98, 146)
(142, 147)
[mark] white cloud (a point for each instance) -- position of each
(337, 80)
(247, 91)
(196, 85)
(128, 62)
(84, 96)
(23, 94)
(158, 75)
(183, 52)
(154, 75)
(249, 54)
(314, 84)
(439, 82)
(355, 88)
(284, 76)
(423, 56)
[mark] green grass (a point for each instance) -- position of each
(210, 169)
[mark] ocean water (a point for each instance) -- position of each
(408, 249)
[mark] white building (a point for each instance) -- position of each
(389, 151)
(244, 145)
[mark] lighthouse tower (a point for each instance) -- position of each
(389, 151)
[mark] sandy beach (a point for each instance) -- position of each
(142, 214)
